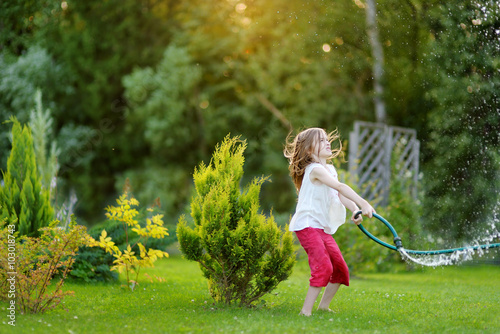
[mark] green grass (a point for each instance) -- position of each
(442, 300)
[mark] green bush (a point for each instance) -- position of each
(25, 203)
(93, 264)
(242, 253)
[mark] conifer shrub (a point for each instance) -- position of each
(241, 252)
(25, 203)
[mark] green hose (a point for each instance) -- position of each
(398, 243)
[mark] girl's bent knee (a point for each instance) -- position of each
(321, 276)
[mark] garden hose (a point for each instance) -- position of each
(399, 244)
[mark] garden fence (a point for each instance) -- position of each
(377, 154)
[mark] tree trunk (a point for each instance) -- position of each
(378, 60)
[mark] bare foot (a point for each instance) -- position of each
(305, 314)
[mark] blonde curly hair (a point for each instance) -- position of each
(299, 151)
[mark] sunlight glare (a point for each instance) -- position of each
(240, 8)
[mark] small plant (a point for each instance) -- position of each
(127, 260)
(37, 261)
(93, 264)
(241, 252)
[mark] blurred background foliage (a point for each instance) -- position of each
(145, 89)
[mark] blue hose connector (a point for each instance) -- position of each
(398, 243)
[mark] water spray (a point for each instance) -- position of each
(406, 253)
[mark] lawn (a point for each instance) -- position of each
(462, 299)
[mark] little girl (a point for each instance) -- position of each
(320, 211)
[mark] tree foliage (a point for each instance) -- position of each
(241, 252)
(462, 177)
(161, 100)
(146, 89)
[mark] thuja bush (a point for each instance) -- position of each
(241, 252)
(23, 200)
(38, 262)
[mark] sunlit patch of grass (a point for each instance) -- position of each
(442, 300)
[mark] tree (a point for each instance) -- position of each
(265, 65)
(378, 60)
(99, 42)
(19, 21)
(20, 79)
(22, 199)
(41, 127)
(163, 114)
(462, 174)
(161, 99)
(241, 252)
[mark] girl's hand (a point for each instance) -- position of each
(356, 220)
(368, 210)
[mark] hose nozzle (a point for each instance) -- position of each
(398, 243)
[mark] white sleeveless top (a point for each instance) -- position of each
(318, 206)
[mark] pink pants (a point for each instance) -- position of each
(325, 259)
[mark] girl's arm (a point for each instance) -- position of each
(352, 207)
(321, 175)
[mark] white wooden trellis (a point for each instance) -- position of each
(377, 154)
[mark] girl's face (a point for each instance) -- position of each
(321, 147)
